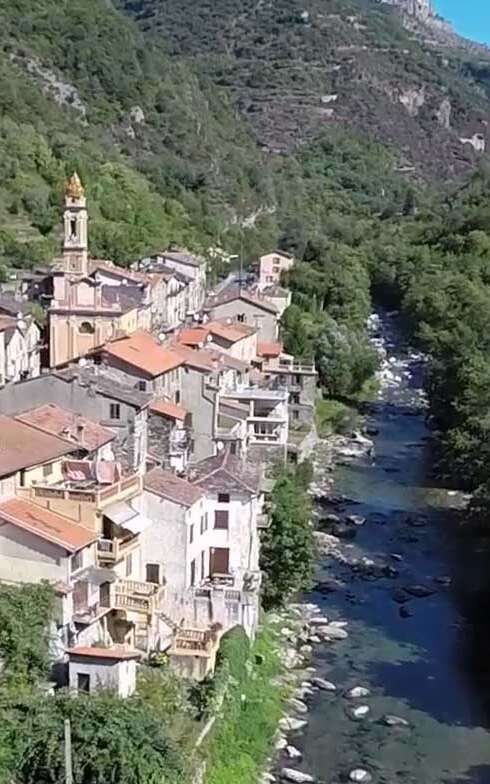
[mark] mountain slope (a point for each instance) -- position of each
(294, 69)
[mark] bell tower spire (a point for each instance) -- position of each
(75, 245)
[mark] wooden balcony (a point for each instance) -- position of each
(93, 493)
(110, 551)
(136, 596)
(194, 642)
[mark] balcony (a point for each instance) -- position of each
(88, 492)
(194, 642)
(110, 551)
(136, 596)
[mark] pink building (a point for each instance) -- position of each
(272, 265)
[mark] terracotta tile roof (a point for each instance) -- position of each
(231, 331)
(195, 336)
(143, 352)
(234, 292)
(197, 358)
(168, 409)
(22, 446)
(46, 524)
(104, 653)
(171, 487)
(83, 432)
(266, 349)
(225, 472)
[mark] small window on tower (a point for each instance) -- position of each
(86, 328)
(73, 228)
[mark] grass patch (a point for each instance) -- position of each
(333, 416)
(243, 735)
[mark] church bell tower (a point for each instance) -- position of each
(75, 246)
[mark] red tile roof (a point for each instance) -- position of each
(195, 336)
(46, 524)
(231, 331)
(103, 653)
(197, 358)
(225, 472)
(168, 409)
(84, 433)
(233, 292)
(269, 349)
(171, 487)
(143, 352)
(22, 446)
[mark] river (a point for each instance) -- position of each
(425, 659)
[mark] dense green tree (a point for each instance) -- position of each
(287, 549)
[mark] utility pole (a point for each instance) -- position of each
(68, 758)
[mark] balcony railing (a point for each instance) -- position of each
(109, 551)
(95, 494)
(193, 642)
(136, 596)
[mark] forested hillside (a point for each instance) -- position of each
(325, 129)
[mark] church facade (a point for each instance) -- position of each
(85, 312)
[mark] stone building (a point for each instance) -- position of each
(240, 305)
(190, 268)
(94, 393)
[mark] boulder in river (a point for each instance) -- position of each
(293, 752)
(357, 692)
(394, 721)
(359, 712)
(444, 581)
(356, 519)
(405, 612)
(298, 705)
(419, 591)
(290, 724)
(360, 775)
(296, 776)
(324, 685)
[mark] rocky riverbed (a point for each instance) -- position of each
(387, 656)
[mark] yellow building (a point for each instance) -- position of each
(85, 312)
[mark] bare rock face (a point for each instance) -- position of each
(420, 9)
(412, 99)
(443, 113)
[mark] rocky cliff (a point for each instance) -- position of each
(392, 70)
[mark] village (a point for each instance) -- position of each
(140, 423)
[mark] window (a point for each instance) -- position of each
(129, 564)
(203, 565)
(191, 534)
(142, 386)
(233, 448)
(219, 561)
(83, 682)
(223, 498)
(76, 561)
(295, 398)
(193, 572)
(241, 317)
(177, 397)
(86, 328)
(191, 446)
(296, 415)
(203, 523)
(73, 228)
(153, 573)
(115, 411)
(221, 520)
(47, 470)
